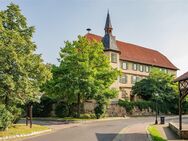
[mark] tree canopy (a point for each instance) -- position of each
(22, 71)
(158, 82)
(84, 73)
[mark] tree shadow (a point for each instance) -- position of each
(47, 122)
(121, 137)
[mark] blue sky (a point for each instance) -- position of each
(157, 24)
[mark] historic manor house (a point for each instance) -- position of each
(134, 61)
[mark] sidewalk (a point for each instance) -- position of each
(137, 132)
(167, 133)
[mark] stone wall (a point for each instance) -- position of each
(89, 106)
(114, 110)
(144, 112)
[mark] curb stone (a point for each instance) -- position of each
(23, 135)
(81, 121)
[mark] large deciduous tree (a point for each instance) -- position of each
(157, 82)
(84, 73)
(22, 71)
(160, 83)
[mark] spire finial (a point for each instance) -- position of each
(108, 26)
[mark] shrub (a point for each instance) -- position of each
(141, 104)
(6, 118)
(44, 108)
(100, 110)
(127, 105)
(16, 112)
(87, 116)
(62, 110)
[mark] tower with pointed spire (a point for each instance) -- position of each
(109, 40)
(110, 47)
(108, 26)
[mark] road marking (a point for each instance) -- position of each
(120, 135)
(132, 129)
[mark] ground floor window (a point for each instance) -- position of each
(123, 79)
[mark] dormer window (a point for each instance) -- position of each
(113, 57)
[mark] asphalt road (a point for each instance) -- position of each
(96, 131)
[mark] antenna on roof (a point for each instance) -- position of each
(88, 30)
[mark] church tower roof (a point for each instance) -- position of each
(108, 24)
(109, 40)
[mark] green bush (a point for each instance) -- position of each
(44, 108)
(100, 110)
(127, 105)
(87, 116)
(141, 104)
(16, 112)
(62, 110)
(6, 118)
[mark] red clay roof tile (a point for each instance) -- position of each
(135, 53)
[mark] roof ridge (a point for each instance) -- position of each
(125, 43)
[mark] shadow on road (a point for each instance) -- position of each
(170, 134)
(47, 122)
(121, 137)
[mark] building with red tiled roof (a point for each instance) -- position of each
(134, 61)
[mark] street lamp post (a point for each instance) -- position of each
(156, 109)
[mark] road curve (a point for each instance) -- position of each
(96, 131)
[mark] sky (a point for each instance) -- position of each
(161, 25)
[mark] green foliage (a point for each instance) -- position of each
(22, 72)
(102, 101)
(141, 104)
(62, 110)
(162, 84)
(44, 108)
(100, 110)
(87, 116)
(155, 134)
(144, 88)
(127, 105)
(16, 112)
(84, 72)
(157, 82)
(6, 118)
(18, 129)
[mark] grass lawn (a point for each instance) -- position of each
(22, 129)
(155, 134)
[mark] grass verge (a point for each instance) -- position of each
(155, 134)
(18, 129)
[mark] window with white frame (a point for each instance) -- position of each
(141, 68)
(147, 68)
(124, 65)
(134, 66)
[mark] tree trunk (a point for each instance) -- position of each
(6, 101)
(30, 114)
(78, 106)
